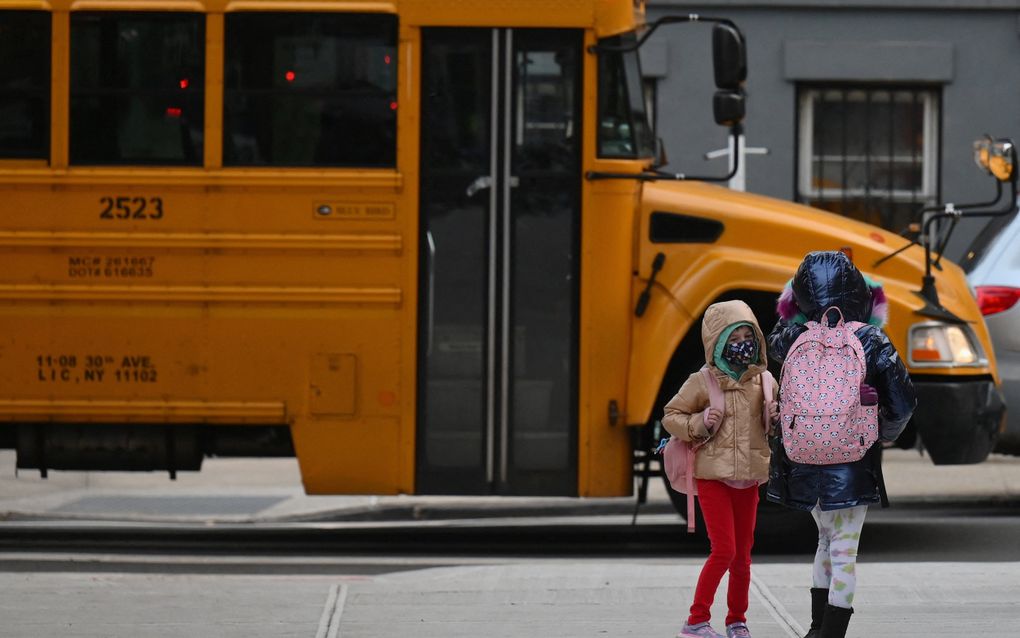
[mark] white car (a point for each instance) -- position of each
(993, 269)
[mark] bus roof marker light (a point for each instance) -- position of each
(289, 76)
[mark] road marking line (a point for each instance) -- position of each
(775, 608)
(327, 612)
(338, 610)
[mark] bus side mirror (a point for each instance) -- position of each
(996, 157)
(729, 57)
(728, 108)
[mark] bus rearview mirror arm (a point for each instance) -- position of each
(634, 46)
(985, 149)
(941, 208)
(729, 52)
(928, 291)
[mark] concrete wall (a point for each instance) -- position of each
(970, 49)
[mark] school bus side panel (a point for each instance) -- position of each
(231, 297)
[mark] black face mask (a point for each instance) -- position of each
(741, 353)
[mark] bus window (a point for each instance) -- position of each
(137, 85)
(623, 124)
(310, 89)
(547, 130)
(24, 84)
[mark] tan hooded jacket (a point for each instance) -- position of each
(738, 450)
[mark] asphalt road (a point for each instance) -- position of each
(971, 532)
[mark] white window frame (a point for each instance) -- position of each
(929, 151)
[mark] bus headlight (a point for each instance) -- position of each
(943, 345)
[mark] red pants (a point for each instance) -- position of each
(729, 517)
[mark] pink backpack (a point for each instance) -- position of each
(821, 416)
(678, 455)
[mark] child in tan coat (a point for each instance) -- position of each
(731, 463)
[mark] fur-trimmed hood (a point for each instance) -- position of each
(828, 278)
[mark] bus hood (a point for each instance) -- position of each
(773, 229)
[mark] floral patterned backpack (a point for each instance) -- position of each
(820, 411)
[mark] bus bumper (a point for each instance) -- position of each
(958, 422)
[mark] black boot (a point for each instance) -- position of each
(819, 599)
(835, 622)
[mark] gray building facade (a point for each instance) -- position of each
(867, 108)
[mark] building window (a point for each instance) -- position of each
(870, 153)
(24, 85)
(137, 88)
(310, 89)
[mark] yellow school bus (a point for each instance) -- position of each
(420, 245)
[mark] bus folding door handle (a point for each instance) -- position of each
(481, 183)
(484, 182)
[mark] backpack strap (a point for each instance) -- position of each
(767, 383)
(825, 315)
(689, 480)
(854, 326)
(715, 395)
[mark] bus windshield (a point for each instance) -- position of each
(623, 132)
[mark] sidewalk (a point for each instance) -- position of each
(269, 490)
(630, 599)
(496, 599)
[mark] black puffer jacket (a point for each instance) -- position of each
(826, 279)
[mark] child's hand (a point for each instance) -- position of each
(773, 411)
(869, 396)
(712, 418)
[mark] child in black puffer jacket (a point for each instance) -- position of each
(838, 495)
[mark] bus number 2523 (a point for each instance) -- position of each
(124, 207)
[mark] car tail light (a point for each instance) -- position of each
(993, 299)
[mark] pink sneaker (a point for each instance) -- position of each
(737, 630)
(699, 630)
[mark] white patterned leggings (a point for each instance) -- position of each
(839, 534)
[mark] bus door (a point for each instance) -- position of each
(499, 245)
